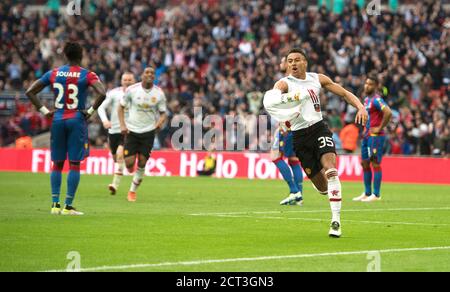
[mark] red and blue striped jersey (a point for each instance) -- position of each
(374, 106)
(70, 87)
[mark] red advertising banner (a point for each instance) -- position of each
(232, 165)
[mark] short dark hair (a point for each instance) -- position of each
(297, 50)
(373, 77)
(73, 51)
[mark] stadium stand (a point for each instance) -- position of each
(223, 55)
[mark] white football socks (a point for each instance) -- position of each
(118, 173)
(334, 193)
(137, 179)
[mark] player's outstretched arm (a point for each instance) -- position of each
(32, 93)
(328, 84)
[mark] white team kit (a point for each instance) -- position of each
(302, 113)
(311, 136)
(112, 102)
(144, 106)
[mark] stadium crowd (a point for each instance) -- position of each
(222, 56)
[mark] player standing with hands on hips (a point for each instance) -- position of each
(295, 99)
(145, 102)
(373, 140)
(69, 137)
(115, 136)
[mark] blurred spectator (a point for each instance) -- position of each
(24, 142)
(254, 100)
(222, 55)
(349, 137)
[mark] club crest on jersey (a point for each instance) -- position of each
(315, 100)
(68, 74)
(153, 99)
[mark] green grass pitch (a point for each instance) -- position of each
(208, 224)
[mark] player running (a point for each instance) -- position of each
(282, 147)
(69, 137)
(295, 98)
(373, 140)
(145, 102)
(115, 137)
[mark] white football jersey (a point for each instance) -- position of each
(144, 106)
(307, 111)
(111, 102)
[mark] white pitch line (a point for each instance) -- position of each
(320, 211)
(324, 220)
(251, 259)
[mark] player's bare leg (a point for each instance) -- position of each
(320, 183)
(137, 177)
(130, 162)
(328, 161)
(118, 170)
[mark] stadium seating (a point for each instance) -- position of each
(218, 55)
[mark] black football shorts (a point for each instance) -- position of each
(115, 140)
(310, 144)
(139, 143)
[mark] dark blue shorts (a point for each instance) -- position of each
(69, 138)
(284, 144)
(372, 148)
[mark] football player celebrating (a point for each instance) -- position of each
(145, 102)
(295, 98)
